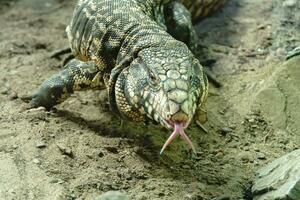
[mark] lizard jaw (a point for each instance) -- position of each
(178, 130)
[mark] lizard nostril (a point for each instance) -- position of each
(168, 116)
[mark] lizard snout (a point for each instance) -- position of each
(175, 114)
(179, 117)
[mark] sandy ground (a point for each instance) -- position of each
(80, 150)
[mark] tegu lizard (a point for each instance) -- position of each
(141, 51)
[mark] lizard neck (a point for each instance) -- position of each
(145, 36)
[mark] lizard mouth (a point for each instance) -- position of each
(178, 129)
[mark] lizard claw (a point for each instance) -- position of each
(26, 98)
(29, 100)
(65, 51)
(37, 100)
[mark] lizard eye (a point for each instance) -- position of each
(152, 77)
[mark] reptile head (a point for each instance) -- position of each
(165, 85)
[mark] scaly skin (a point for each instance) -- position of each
(202, 8)
(142, 52)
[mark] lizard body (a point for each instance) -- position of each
(142, 52)
(202, 8)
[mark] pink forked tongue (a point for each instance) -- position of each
(178, 130)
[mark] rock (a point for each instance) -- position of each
(289, 3)
(41, 144)
(65, 150)
(36, 161)
(276, 112)
(186, 167)
(4, 91)
(278, 94)
(161, 194)
(261, 156)
(112, 149)
(13, 95)
(54, 181)
(280, 179)
(225, 130)
(125, 174)
(252, 120)
(100, 154)
(193, 197)
(223, 197)
(247, 157)
(113, 195)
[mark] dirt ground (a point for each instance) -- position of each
(80, 150)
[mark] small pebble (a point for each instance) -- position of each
(289, 3)
(254, 126)
(223, 197)
(225, 130)
(36, 161)
(13, 96)
(186, 167)
(222, 112)
(143, 197)
(219, 155)
(261, 156)
(65, 150)
(4, 91)
(100, 154)
(112, 149)
(89, 155)
(54, 181)
(198, 156)
(113, 195)
(247, 157)
(41, 144)
(251, 120)
(161, 194)
(193, 197)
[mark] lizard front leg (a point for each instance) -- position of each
(201, 115)
(77, 75)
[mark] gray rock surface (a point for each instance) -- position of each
(113, 195)
(280, 179)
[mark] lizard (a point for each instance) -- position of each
(143, 53)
